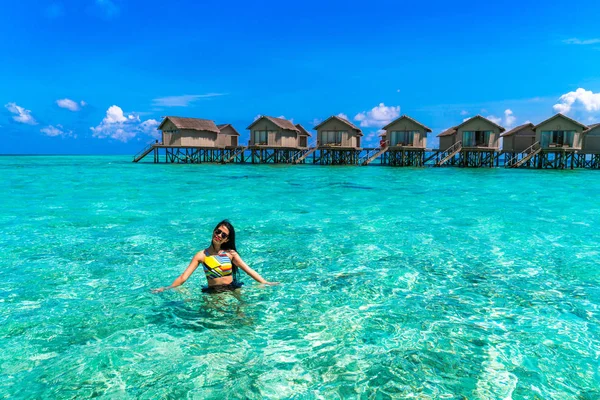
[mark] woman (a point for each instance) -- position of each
(220, 261)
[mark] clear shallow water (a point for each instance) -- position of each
(397, 282)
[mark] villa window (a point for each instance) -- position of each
(476, 138)
(261, 137)
(557, 138)
(402, 138)
(332, 137)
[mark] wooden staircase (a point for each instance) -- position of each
(524, 156)
(450, 152)
(145, 151)
(366, 160)
(237, 153)
(300, 155)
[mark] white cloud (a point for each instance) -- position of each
(508, 121)
(586, 98)
(509, 118)
(182, 101)
(257, 117)
(342, 115)
(70, 104)
(464, 112)
(149, 127)
(108, 7)
(582, 42)
(495, 120)
(371, 139)
(465, 119)
(21, 114)
(378, 116)
(116, 125)
(57, 130)
(316, 121)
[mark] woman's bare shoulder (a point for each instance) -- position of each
(231, 253)
(201, 254)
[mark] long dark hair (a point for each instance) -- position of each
(229, 245)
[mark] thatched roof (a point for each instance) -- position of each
(448, 132)
(518, 129)
(483, 118)
(303, 132)
(410, 119)
(223, 126)
(194, 124)
(343, 121)
(279, 122)
(591, 128)
(559, 115)
(454, 129)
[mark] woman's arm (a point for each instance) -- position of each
(196, 260)
(237, 260)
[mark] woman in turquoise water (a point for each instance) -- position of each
(221, 262)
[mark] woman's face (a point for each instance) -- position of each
(220, 235)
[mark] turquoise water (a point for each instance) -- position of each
(396, 282)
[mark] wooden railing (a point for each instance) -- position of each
(524, 156)
(141, 154)
(300, 155)
(449, 153)
(235, 154)
(374, 153)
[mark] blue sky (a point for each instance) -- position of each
(95, 76)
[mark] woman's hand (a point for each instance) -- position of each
(272, 283)
(162, 289)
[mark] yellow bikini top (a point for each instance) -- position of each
(217, 265)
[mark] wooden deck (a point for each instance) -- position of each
(393, 156)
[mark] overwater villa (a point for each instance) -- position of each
(189, 132)
(558, 142)
(518, 139)
(303, 136)
(559, 132)
(192, 140)
(474, 143)
(405, 132)
(591, 139)
(338, 142)
(591, 147)
(274, 140)
(274, 132)
(406, 140)
(228, 136)
(476, 132)
(338, 132)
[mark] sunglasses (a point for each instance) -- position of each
(221, 233)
